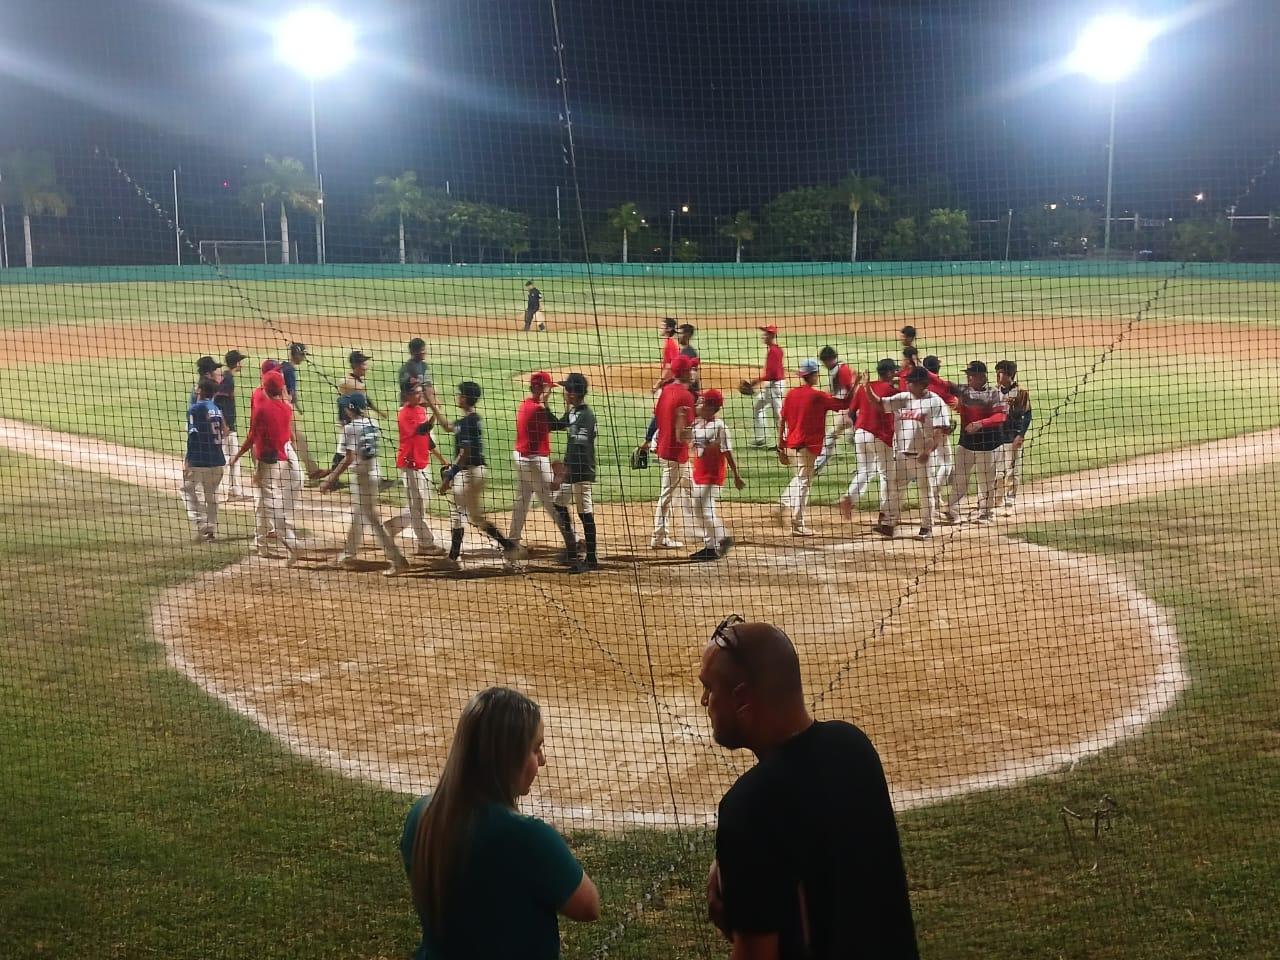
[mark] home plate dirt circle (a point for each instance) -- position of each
(1004, 660)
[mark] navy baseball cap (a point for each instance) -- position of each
(354, 401)
(233, 357)
(469, 389)
(976, 366)
(207, 364)
(355, 356)
(887, 365)
(918, 375)
(417, 343)
(575, 383)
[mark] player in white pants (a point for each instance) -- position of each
(872, 439)
(413, 460)
(770, 386)
(225, 398)
(983, 412)
(204, 463)
(713, 453)
(840, 375)
(920, 418)
(360, 456)
(533, 462)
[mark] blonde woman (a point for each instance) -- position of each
(486, 881)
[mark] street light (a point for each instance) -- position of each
(317, 43)
(1110, 48)
(671, 230)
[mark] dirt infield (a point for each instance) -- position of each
(371, 674)
(112, 339)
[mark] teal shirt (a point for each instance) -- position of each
(514, 874)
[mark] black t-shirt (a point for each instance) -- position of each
(467, 436)
(812, 822)
(224, 397)
(535, 300)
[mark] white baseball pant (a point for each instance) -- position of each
(234, 487)
(705, 520)
(875, 459)
(796, 495)
(364, 513)
(417, 488)
(533, 478)
(200, 495)
(905, 470)
(1012, 478)
(468, 498)
(768, 400)
(842, 426)
(577, 495)
(677, 490)
(273, 508)
(942, 463)
(986, 463)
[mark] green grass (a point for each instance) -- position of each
(216, 301)
(142, 819)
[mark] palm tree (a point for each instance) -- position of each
(627, 219)
(740, 229)
(284, 181)
(398, 197)
(31, 184)
(859, 192)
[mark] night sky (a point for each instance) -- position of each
(716, 103)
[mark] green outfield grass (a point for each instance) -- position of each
(292, 303)
(143, 819)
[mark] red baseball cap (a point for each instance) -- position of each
(273, 383)
(268, 365)
(540, 379)
(681, 365)
(771, 328)
(713, 397)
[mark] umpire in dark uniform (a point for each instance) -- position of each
(579, 424)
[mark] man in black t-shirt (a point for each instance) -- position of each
(533, 308)
(807, 864)
(224, 398)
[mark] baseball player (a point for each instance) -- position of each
(910, 360)
(671, 348)
(415, 372)
(982, 416)
(270, 435)
(801, 428)
(533, 463)
(289, 370)
(942, 461)
(713, 452)
(413, 460)
(674, 412)
(464, 478)
(533, 308)
(769, 386)
(907, 336)
(224, 397)
(579, 424)
(841, 379)
(360, 440)
(872, 439)
(205, 462)
(1015, 431)
(920, 418)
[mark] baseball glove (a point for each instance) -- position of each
(746, 388)
(639, 458)
(559, 473)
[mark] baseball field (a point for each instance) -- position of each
(222, 742)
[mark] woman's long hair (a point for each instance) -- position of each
(490, 747)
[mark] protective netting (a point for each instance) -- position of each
(212, 723)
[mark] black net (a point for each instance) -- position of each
(1040, 581)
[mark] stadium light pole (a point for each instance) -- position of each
(317, 43)
(671, 231)
(1110, 48)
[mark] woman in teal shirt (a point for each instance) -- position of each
(488, 882)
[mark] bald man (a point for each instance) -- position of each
(807, 857)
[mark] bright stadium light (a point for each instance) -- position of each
(1110, 48)
(315, 42)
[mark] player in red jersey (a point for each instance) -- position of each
(674, 413)
(872, 439)
(770, 386)
(533, 461)
(841, 377)
(801, 428)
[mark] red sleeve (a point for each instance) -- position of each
(832, 402)
(997, 417)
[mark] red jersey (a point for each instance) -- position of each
(415, 447)
(773, 370)
(674, 397)
(804, 411)
(533, 429)
(902, 376)
(842, 381)
(271, 423)
(872, 417)
(670, 350)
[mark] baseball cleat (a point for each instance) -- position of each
(845, 506)
(516, 553)
(884, 529)
(430, 550)
(447, 563)
(396, 570)
(925, 533)
(706, 553)
(802, 531)
(664, 543)
(270, 553)
(950, 516)
(726, 545)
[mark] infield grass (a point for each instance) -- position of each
(143, 819)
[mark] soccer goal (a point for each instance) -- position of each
(229, 252)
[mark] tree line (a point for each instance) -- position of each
(859, 217)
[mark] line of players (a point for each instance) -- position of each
(899, 424)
